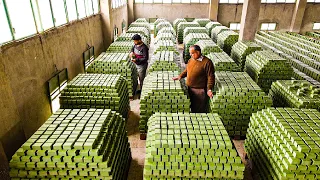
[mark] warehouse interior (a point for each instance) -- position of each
(41, 40)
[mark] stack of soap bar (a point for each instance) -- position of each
(161, 94)
(237, 97)
(165, 45)
(120, 47)
(212, 25)
(128, 37)
(226, 40)
(165, 36)
(102, 91)
(140, 30)
(190, 40)
(295, 94)
(222, 62)
(161, 25)
(75, 144)
(182, 26)
(167, 30)
(189, 30)
(158, 21)
(241, 50)
(176, 23)
(216, 31)
(141, 24)
(202, 21)
(165, 61)
(117, 63)
(190, 146)
(283, 143)
(141, 20)
(208, 46)
(265, 67)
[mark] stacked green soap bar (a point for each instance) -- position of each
(141, 20)
(216, 31)
(141, 24)
(161, 94)
(158, 21)
(167, 30)
(284, 143)
(314, 34)
(128, 37)
(202, 21)
(295, 94)
(190, 146)
(208, 46)
(222, 62)
(164, 61)
(226, 40)
(165, 45)
(265, 67)
(103, 91)
(302, 76)
(212, 25)
(164, 24)
(120, 47)
(140, 30)
(241, 50)
(190, 40)
(75, 144)
(237, 97)
(182, 26)
(165, 36)
(176, 23)
(189, 30)
(117, 63)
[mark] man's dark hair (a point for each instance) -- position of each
(196, 48)
(136, 37)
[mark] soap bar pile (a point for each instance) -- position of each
(222, 62)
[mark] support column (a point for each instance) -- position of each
(249, 20)
(298, 14)
(213, 10)
(105, 6)
(130, 11)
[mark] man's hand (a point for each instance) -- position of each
(130, 55)
(176, 78)
(134, 60)
(210, 94)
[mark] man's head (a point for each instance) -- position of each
(195, 51)
(136, 39)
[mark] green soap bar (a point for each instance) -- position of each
(51, 164)
(61, 165)
(56, 159)
(82, 165)
(62, 173)
(73, 173)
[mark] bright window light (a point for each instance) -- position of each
(148, 1)
(59, 12)
(167, 1)
(235, 26)
(95, 6)
(185, 1)
(176, 1)
(21, 17)
(157, 1)
(316, 26)
(5, 29)
(89, 9)
(138, 1)
(268, 26)
(81, 9)
(313, 1)
(204, 1)
(72, 11)
(44, 12)
(194, 1)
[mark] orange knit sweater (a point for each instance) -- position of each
(200, 74)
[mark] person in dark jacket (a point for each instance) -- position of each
(140, 56)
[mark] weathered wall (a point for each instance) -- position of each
(279, 13)
(26, 66)
(118, 16)
(311, 15)
(171, 11)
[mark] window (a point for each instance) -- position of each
(89, 8)
(88, 57)
(81, 9)
(262, 1)
(172, 1)
(231, 1)
(268, 26)
(115, 33)
(55, 86)
(313, 1)
(95, 4)
(72, 10)
(59, 12)
(21, 16)
(235, 26)
(316, 26)
(43, 15)
(4, 24)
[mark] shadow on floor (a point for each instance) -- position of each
(136, 171)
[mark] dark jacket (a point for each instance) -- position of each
(142, 54)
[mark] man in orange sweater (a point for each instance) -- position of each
(200, 80)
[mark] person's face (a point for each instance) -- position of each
(194, 54)
(136, 42)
